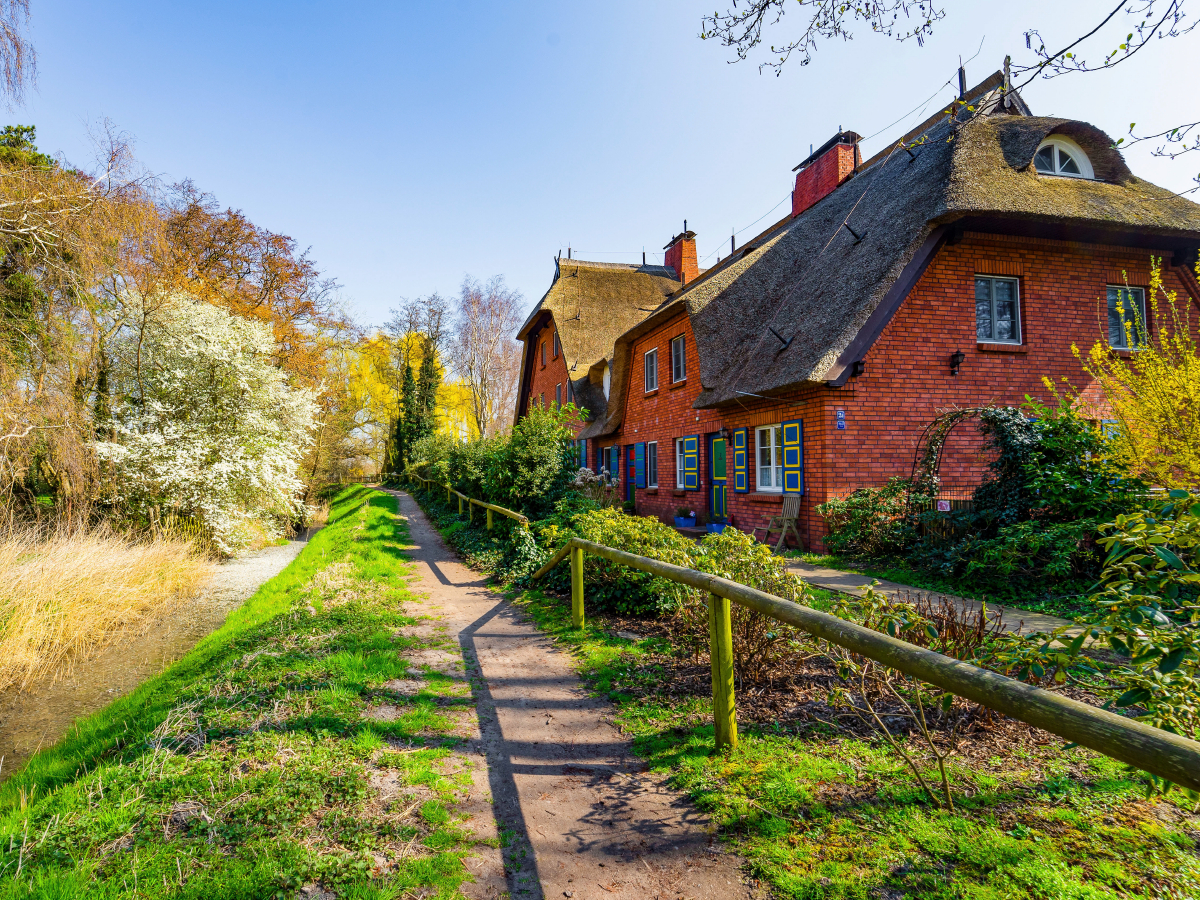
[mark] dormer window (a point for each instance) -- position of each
(1060, 156)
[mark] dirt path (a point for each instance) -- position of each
(584, 818)
(41, 715)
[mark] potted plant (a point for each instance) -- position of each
(685, 518)
(630, 507)
(716, 527)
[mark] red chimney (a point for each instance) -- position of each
(829, 166)
(681, 255)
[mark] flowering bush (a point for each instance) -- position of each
(205, 426)
(598, 487)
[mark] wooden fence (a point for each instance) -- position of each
(471, 502)
(1150, 749)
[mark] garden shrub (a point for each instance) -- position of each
(526, 470)
(870, 521)
(759, 642)
(611, 587)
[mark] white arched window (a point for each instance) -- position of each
(607, 380)
(1062, 156)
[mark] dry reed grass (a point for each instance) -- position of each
(65, 594)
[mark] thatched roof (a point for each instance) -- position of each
(810, 280)
(592, 304)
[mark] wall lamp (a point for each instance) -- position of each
(956, 361)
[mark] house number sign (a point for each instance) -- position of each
(841, 420)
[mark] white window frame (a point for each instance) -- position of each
(543, 353)
(650, 369)
(774, 468)
(679, 373)
(555, 348)
(558, 395)
(679, 485)
(1065, 145)
(1140, 311)
(1016, 283)
(652, 464)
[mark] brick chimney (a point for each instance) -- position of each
(826, 168)
(681, 255)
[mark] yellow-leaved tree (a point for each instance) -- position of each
(1154, 389)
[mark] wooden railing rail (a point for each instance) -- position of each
(470, 501)
(1150, 749)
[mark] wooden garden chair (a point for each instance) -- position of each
(787, 520)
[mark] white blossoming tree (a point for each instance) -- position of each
(205, 426)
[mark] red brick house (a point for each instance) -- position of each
(954, 270)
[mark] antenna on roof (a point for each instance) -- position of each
(733, 237)
(643, 256)
(962, 81)
(685, 226)
(1007, 82)
(568, 251)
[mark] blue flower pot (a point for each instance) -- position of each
(716, 527)
(685, 521)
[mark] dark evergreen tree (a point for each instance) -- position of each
(427, 386)
(403, 437)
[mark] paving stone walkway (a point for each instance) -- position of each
(852, 583)
(582, 816)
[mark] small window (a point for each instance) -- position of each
(1060, 156)
(543, 353)
(997, 310)
(652, 464)
(1126, 317)
(770, 459)
(679, 464)
(652, 370)
(678, 359)
(558, 395)
(556, 346)
(542, 400)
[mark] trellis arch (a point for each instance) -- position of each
(927, 458)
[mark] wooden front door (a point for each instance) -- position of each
(630, 472)
(718, 510)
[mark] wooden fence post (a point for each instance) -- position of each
(577, 587)
(460, 504)
(489, 518)
(720, 634)
(447, 495)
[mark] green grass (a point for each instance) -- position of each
(818, 815)
(1067, 605)
(248, 769)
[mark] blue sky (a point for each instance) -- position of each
(410, 144)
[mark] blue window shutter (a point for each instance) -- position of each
(741, 464)
(793, 457)
(583, 453)
(691, 463)
(639, 457)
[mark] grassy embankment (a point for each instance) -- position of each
(822, 813)
(65, 594)
(255, 765)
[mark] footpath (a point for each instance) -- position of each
(578, 812)
(1014, 619)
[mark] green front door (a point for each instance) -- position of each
(717, 509)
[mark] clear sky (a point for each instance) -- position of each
(409, 144)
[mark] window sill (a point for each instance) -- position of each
(678, 384)
(652, 491)
(992, 347)
(650, 393)
(678, 492)
(1123, 352)
(765, 497)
